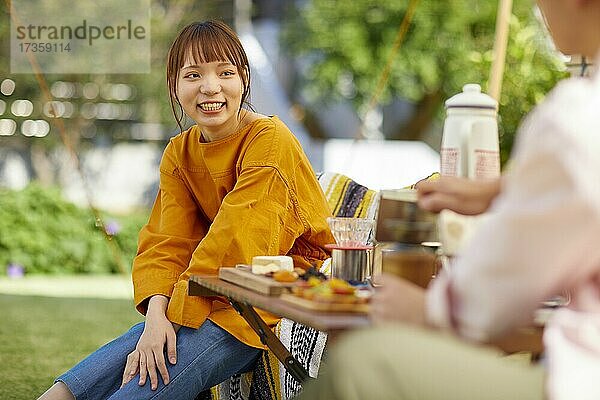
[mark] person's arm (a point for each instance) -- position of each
(398, 300)
(167, 241)
(461, 195)
(540, 238)
(165, 247)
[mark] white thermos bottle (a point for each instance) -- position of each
(469, 149)
(470, 139)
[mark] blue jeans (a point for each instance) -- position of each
(205, 357)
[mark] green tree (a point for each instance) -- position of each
(448, 44)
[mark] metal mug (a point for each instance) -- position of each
(351, 263)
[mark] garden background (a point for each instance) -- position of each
(67, 237)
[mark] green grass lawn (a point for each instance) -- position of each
(41, 337)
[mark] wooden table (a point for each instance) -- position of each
(244, 301)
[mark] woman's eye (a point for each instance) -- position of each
(227, 73)
(192, 75)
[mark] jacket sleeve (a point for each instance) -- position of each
(257, 217)
(167, 241)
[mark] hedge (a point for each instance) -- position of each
(46, 234)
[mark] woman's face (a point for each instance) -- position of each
(211, 94)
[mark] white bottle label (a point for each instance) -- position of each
(449, 161)
(486, 164)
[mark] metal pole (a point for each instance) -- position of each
(500, 43)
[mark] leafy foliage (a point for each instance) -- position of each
(42, 232)
(345, 46)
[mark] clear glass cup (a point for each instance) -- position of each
(351, 232)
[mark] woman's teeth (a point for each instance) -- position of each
(211, 106)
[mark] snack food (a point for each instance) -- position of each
(330, 291)
(285, 276)
(264, 264)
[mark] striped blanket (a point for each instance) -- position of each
(269, 380)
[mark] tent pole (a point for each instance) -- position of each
(500, 43)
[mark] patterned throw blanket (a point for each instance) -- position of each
(269, 380)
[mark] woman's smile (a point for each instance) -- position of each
(211, 107)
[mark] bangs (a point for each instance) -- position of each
(205, 50)
(206, 43)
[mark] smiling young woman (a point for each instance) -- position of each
(235, 185)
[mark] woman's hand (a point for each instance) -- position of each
(398, 300)
(461, 195)
(148, 356)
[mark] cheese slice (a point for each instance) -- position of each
(265, 264)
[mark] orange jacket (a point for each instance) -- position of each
(222, 203)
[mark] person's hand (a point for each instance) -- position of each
(398, 300)
(461, 195)
(148, 356)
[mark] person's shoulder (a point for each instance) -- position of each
(270, 128)
(270, 141)
(566, 119)
(572, 106)
(560, 103)
(573, 93)
(268, 124)
(177, 147)
(180, 140)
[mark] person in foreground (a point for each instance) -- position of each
(541, 238)
(233, 186)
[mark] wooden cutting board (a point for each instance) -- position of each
(243, 276)
(328, 307)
